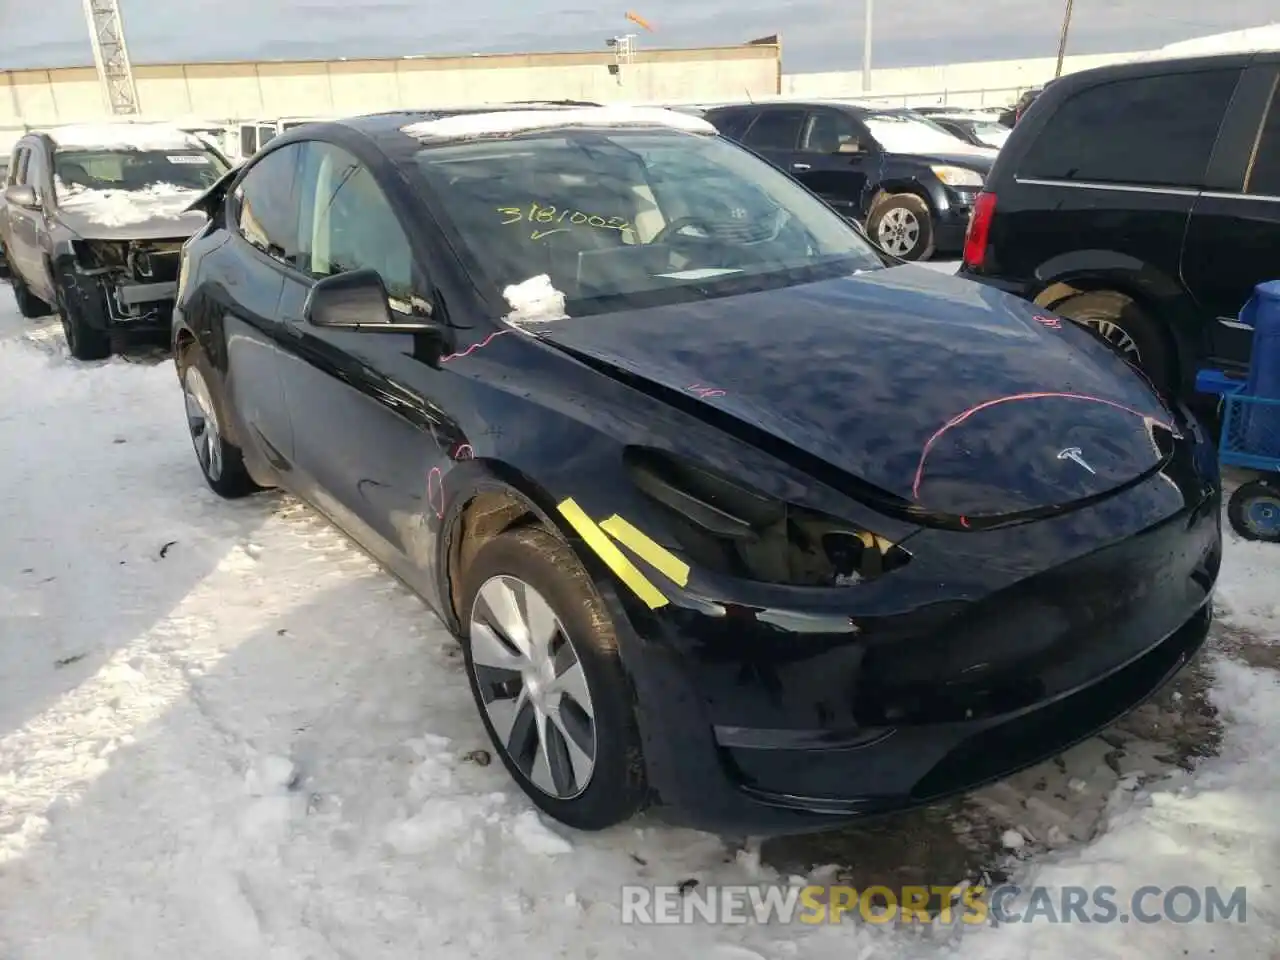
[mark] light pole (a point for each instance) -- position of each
(1062, 40)
(866, 49)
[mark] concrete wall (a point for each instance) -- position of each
(333, 88)
(990, 83)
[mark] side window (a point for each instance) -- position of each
(826, 131)
(775, 130)
(347, 223)
(17, 166)
(266, 214)
(24, 175)
(1154, 131)
(1264, 172)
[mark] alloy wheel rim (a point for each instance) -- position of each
(898, 232)
(1117, 336)
(202, 421)
(533, 687)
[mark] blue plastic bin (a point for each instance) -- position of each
(1260, 429)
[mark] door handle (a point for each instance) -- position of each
(800, 166)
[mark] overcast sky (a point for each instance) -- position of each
(816, 34)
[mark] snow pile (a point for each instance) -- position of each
(516, 121)
(122, 135)
(225, 733)
(535, 300)
(126, 208)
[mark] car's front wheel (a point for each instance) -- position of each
(902, 226)
(542, 658)
(221, 461)
(85, 341)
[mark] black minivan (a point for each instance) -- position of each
(1142, 200)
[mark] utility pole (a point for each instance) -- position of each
(111, 56)
(866, 49)
(1062, 40)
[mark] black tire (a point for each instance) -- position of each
(616, 788)
(1120, 323)
(85, 341)
(908, 226)
(29, 305)
(221, 461)
(1254, 511)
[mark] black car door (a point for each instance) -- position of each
(1233, 236)
(775, 135)
(250, 271)
(833, 160)
(371, 442)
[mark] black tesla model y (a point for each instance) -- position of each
(735, 516)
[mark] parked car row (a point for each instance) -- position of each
(733, 512)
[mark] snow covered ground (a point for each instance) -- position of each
(224, 733)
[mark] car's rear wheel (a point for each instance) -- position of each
(1126, 328)
(902, 226)
(221, 461)
(542, 658)
(29, 305)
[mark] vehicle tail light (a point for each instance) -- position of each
(975, 238)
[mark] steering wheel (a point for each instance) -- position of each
(675, 226)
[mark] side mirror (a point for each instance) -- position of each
(357, 300)
(850, 146)
(23, 195)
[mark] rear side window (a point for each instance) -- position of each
(266, 212)
(731, 123)
(775, 130)
(1264, 172)
(1151, 131)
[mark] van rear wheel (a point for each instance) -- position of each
(1125, 327)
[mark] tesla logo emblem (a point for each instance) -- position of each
(1075, 456)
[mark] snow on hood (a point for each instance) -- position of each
(908, 135)
(126, 135)
(126, 208)
(515, 121)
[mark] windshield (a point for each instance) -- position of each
(907, 133)
(621, 219)
(992, 134)
(188, 168)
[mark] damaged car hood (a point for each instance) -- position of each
(130, 214)
(947, 394)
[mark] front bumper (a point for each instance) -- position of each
(951, 220)
(1010, 647)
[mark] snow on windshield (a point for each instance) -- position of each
(124, 187)
(900, 133)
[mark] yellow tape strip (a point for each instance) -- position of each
(654, 554)
(616, 560)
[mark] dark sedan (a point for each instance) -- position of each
(732, 513)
